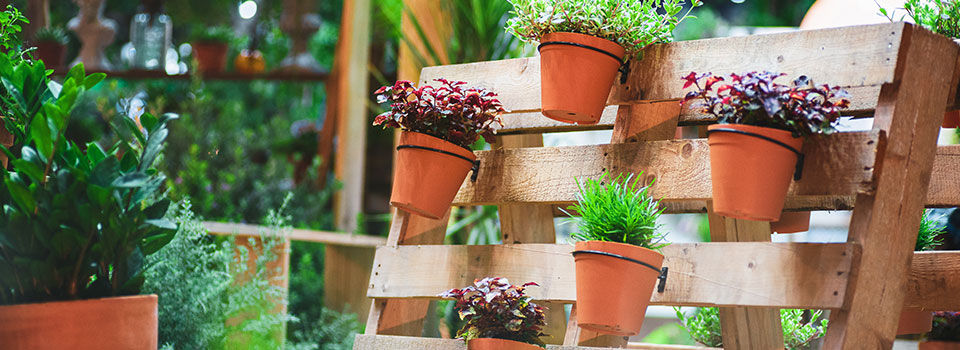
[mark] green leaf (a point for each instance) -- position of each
(153, 148)
(21, 196)
(99, 195)
(40, 133)
(31, 169)
(131, 180)
(94, 153)
(76, 73)
(93, 79)
(149, 122)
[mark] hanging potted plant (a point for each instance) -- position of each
(77, 225)
(758, 142)
(439, 125)
(584, 43)
(919, 321)
(616, 253)
(51, 44)
(498, 315)
(945, 333)
(210, 48)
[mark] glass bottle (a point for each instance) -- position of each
(150, 33)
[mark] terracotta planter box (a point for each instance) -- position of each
(110, 323)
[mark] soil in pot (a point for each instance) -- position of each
(951, 120)
(211, 57)
(499, 344)
(428, 174)
(914, 322)
(110, 323)
(939, 345)
(612, 292)
(791, 222)
(575, 80)
(751, 175)
(52, 54)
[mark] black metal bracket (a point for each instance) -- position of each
(662, 272)
(662, 280)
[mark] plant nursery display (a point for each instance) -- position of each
(616, 253)
(919, 321)
(210, 48)
(78, 221)
(439, 124)
(800, 327)
(51, 44)
(498, 315)
(945, 334)
(584, 43)
(758, 140)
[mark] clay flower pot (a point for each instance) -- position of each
(939, 345)
(751, 175)
(791, 222)
(499, 344)
(914, 322)
(613, 292)
(428, 174)
(951, 120)
(51, 53)
(574, 80)
(211, 57)
(110, 323)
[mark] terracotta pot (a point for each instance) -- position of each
(499, 344)
(951, 120)
(109, 323)
(751, 175)
(425, 182)
(211, 57)
(575, 81)
(914, 322)
(613, 293)
(939, 345)
(791, 222)
(52, 54)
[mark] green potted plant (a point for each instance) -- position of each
(616, 253)
(583, 43)
(51, 44)
(498, 315)
(438, 126)
(78, 222)
(919, 321)
(757, 143)
(210, 48)
(945, 334)
(800, 327)
(941, 17)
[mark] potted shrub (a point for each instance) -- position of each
(77, 224)
(758, 142)
(945, 334)
(439, 124)
(51, 43)
(498, 315)
(919, 321)
(800, 327)
(210, 48)
(616, 253)
(583, 43)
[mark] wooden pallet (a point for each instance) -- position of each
(902, 76)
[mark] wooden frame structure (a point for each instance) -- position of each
(903, 76)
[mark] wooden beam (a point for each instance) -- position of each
(353, 55)
(909, 112)
(933, 281)
(376, 342)
(331, 238)
(701, 274)
(346, 272)
(836, 165)
(944, 189)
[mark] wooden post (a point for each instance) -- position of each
(353, 55)
(885, 222)
(346, 272)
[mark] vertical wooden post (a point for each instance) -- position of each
(346, 274)
(885, 222)
(353, 93)
(745, 327)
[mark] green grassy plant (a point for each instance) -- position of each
(800, 327)
(617, 210)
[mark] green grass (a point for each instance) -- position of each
(620, 210)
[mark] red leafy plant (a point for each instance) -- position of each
(493, 308)
(946, 326)
(754, 98)
(450, 111)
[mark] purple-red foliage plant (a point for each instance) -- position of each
(450, 111)
(493, 308)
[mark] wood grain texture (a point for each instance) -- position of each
(701, 274)
(346, 272)
(325, 237)
(885, 222)
(379, 342)
(944, 189)
(933, 282)
(838, 165)
(646, 122)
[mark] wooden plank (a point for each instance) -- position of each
(934, 281)
(376, 342)
(701, 274)
(353, 52)
(326, 237)
(346, 272)
(910, 112)
(944, 189)
(840, 164)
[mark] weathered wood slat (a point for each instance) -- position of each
(934, 281)
(789, 275)
(944, 189)
(333, 238)
(377, 342)
(840, 164)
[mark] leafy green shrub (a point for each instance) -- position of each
(10, 25)
(927, 237)
(631, 24)
(619, 211)
(703, 325)
(51, 34)
(330, 330)
(211, 35)
(940, 16)
(800, 328)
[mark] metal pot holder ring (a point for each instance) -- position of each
(475, 164)
(798, 172)
(624, 65)
(661, 273)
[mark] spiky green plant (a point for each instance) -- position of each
(620, 210)
(799, 328)
(52, 35)
(927, 236)
(703, 325)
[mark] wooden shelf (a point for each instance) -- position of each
(224, 76)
